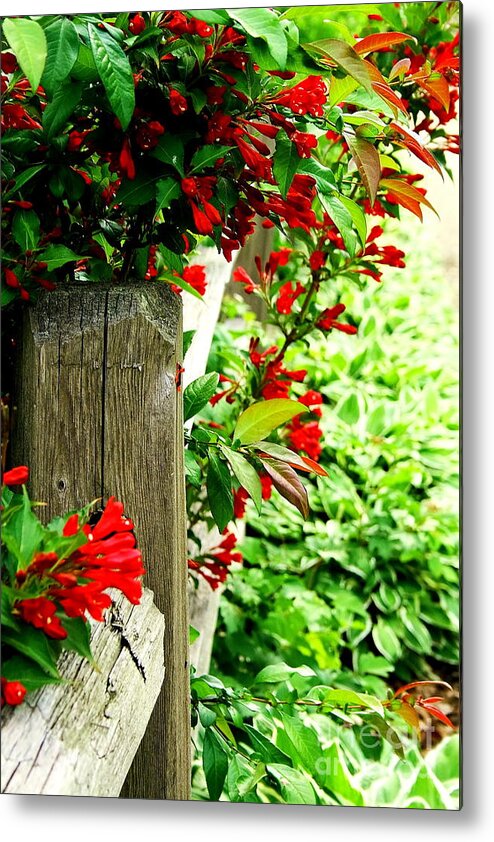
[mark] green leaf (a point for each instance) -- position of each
(260, 419)
(167, 189)
(78, 637)
(192, 469)
(138, 191)
(324, 177)
(28, 42)
(274, 673)
(198, 393)
(342, 218)
(187, 340)
(25, 229)
(246, 475)
(206, 716)
(63, 48)
(287, 482)
(210, 15)
(264, 24)
(215, 763)
(206, 156)
(368, 163)
(342, 698)
(56, 255)
(349, 411)
(23, 178)
(219, 488)
(115, 72)
(358, 217)
(266, 749)
(417, 635)
(339, 89)
(35, 645)
(338, 779)
(64, 101)
(386, 641)
(294, 786)
(286, 163)
(303, 739)
(345, 57)
(193, 635)
(84, 68)
(170, 150)
(23, 533)
(7, 599)
(30, 674)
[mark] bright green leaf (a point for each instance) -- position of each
(28, 42)
(260, 419)
(115, 72)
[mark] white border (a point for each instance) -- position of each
(80, 819)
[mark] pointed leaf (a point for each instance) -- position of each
(246, 475)
(34, 644)
(60, 107)
(206, 156)
(198, 393)
(284, 454)
(63, 48)
(219, 488)
(368, 163)
(167, 189)
(345, 57)
(408, 714)
(263, 23)
(405, 193)
(215, 763)
(170, 150)
(25, 229)
(286, 162)
(380, 41)
(400, 68)
(260, 419)
(437, 86)
(115, 72)
(420, 684)
(412, 142)
(28, 672)
(55, 256)
(28, 43)
(286, 481)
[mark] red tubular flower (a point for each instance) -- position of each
(317, 260)
(125, 161)
(287, 297)
(267, 486)
(242, 277)
(257, 162)
(327, 320)
(112, 520)
(16, 476)
(40, 613)
(195, 276)
(305, 437)
(8, 63)
(311, 398)
(240, 498)
(304, 143)
(202, 222)
(148, 133)
(178, 103)
(307, 97)
(13, 692)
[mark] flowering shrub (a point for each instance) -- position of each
(53, 578)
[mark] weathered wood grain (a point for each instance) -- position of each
(99, 414)
(80, 738)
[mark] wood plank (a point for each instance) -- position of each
(80, 738)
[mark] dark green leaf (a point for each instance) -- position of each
(115, 72)
(187, 340)
(78, 636)
(342, 218)
(23, 533)
(215, 763)
(170, 150)
(56, 255)
(23, 178)
(286, 163)
(35, 645)
(198, 393)
(206, 156)
(30, 674)
(220, 495)
(60, 107)
(167, 189)
(266, 749)
(25, 229)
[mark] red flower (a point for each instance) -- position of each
(16, 476)
(327, 320)
(267, 487)
(40, 612)
(240, 498)
(195, 276)
(8, 63)
(148, 133)
(241, 276)
(317, 260)
(137, 24)
(178, 103)
(307, 97)
(126, 162)
(305, 437)
(287, 296)
(311, 398)
(13, 692)
(71, 526)
(304, 143)
(112, 520)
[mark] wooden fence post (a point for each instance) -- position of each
(99, 413)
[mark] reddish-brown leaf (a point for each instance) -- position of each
(380, 41)
(388, 94)
(368, 163)
(406, 195)
(413, 684)
(412, 142)
(409, 714)
(286, 481)
(437, 86)
(438, 714)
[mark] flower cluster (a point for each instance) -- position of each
(214, 565)
(67, 577)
